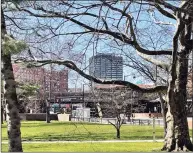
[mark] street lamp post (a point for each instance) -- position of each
(37, 98)
(49, 99)
(83, 101)
(131, 106)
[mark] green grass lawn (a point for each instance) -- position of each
(34, 130)
(90, 147)
(81, 131)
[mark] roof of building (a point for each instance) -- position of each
(110, 86)
(146, 85)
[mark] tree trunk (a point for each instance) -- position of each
(1, 114)
(47, 112)
(177, 137)
(5, 114)
(118, 133)
(13, 122)
(164, 118)
(163, 111)
(47, 115)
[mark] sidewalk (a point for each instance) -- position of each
(102, 141)
(105, 141)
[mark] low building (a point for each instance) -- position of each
(141, 103)
(42, 77)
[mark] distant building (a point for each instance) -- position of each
(41, 76)
(74, 89)
(106, 66)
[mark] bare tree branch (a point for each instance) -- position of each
(134, 43)
(164, 12)
(169, 6)
(159, 22)
(71, 65)
(160, 64)
(117, 35)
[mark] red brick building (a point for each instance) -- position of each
(42, 77)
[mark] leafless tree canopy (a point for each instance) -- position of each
(158, 31)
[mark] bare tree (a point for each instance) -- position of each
(154, 75)
(114, 21)
(115, 103)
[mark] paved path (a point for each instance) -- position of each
(105, 141)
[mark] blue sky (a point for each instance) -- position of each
(61, 43)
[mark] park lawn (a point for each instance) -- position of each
(72, 131)
(34, 130)
(90, 147)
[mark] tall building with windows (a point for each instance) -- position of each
(106, 66)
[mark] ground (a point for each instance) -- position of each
(82, 131)
(73, 131)
(91, 147)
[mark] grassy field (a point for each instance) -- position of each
(34, 130)
(82, 131)
(91, 147)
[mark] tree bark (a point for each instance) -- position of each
(163, 111)
(47, 112)
(13, 122)
(118, 125)
(177, 137)
(1, 114)
(118, 133)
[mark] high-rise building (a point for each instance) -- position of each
(106, 66)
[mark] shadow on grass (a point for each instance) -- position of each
(85, 137)
(83, 131)
(40, 124)
(54, 123)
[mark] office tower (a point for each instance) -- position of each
(106, 66)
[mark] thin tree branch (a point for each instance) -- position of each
(169, 6)
(160, 64)
(134, 43)
(117, 35)
(164, 12)
(71, 65)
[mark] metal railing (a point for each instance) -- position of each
(148, 121)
